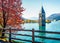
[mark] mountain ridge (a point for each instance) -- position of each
(55, 16)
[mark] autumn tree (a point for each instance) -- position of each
(12, 13)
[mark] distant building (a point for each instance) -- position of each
(42, 17)
(42, 23)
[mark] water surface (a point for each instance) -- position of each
(53, 26)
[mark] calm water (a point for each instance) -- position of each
(53, 26)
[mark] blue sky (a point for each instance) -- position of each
(51, 6)
(33, 7)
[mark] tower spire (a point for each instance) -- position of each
(42, 10)
(42, 18)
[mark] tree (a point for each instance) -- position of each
(12, 13)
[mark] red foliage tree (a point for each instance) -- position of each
(1, 14)
(11, 11)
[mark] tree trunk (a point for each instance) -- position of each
(3, 34)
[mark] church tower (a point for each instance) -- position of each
(42, 22)
(42, 18)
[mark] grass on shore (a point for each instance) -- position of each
(16, 41)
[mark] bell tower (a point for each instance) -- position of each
(42, 19)
(43, 16)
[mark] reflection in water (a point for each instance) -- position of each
(42, 28)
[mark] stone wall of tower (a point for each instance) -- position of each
(43, 19)
(40, 19)
(43, 16)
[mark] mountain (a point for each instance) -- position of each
(55, 16)
(32, 18)
(23, 18)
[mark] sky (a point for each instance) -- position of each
(33, 8)
(51, 6)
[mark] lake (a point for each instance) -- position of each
(53, 26)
